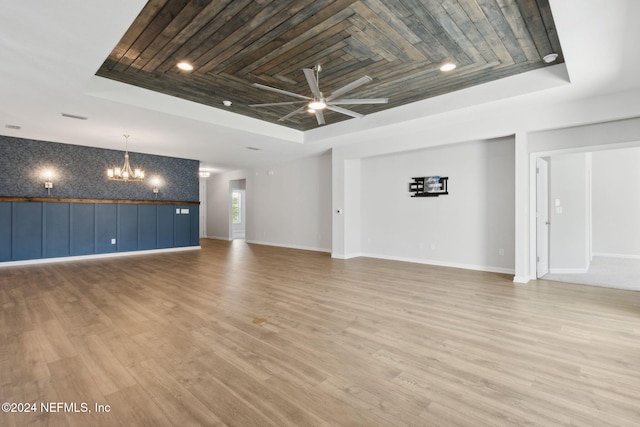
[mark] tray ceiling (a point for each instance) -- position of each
(400, 44)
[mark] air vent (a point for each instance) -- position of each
(253, 148)
(73, 116)
(16, 127)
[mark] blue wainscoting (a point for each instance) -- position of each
(57, 229)
(148, 226)
(33, 230)
(5, 231)
(26, 233)
(82, 220)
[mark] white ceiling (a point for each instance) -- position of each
(51, 53)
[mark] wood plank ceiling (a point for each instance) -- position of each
(401, 44)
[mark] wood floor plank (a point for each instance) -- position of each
(128, 352)
(133, 406)
(240, 334)
(179, 405)
(107, 371)
(74, 385)
(54, 341)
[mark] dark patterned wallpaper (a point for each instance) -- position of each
(81, 172)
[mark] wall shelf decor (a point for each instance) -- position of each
(428, 186)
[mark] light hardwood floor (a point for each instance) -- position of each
(250, 335)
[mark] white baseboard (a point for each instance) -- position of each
(568, 270)
(443, 263)
(623, 256)
(284, 245)
(94, 256)
(521, 279)
(218, 238)
(345, 256)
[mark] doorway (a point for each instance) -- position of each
(237, 209)
(605, 185)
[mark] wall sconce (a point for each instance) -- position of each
(156, 188)
(48, 183)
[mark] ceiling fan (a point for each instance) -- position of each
(318, 101)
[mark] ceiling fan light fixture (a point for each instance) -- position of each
(317, 104)
(448, 66)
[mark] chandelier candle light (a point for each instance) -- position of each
(125, 173)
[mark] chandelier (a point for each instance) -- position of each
(125, 173)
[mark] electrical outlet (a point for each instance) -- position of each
(433, 246)
(113, 241)
(501, 252)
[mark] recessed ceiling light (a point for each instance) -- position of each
(185, 66)
(549, 58)
(227, 103)
(448, 66)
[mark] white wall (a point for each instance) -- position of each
(352, 207)
(469, 228)
(616, 203)
(290, 204)
(569, 213)
(286, 205)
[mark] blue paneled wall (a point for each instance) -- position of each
(85, 210)
(33, 230)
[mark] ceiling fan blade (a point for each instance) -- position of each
(344, 111)
(360, 101)
(284, 92)
(270, 104)
(299, 110)
(350, 86)
(320, 117)
(313, 83)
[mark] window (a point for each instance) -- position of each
(236, 216)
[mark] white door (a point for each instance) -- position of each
(542, 217)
